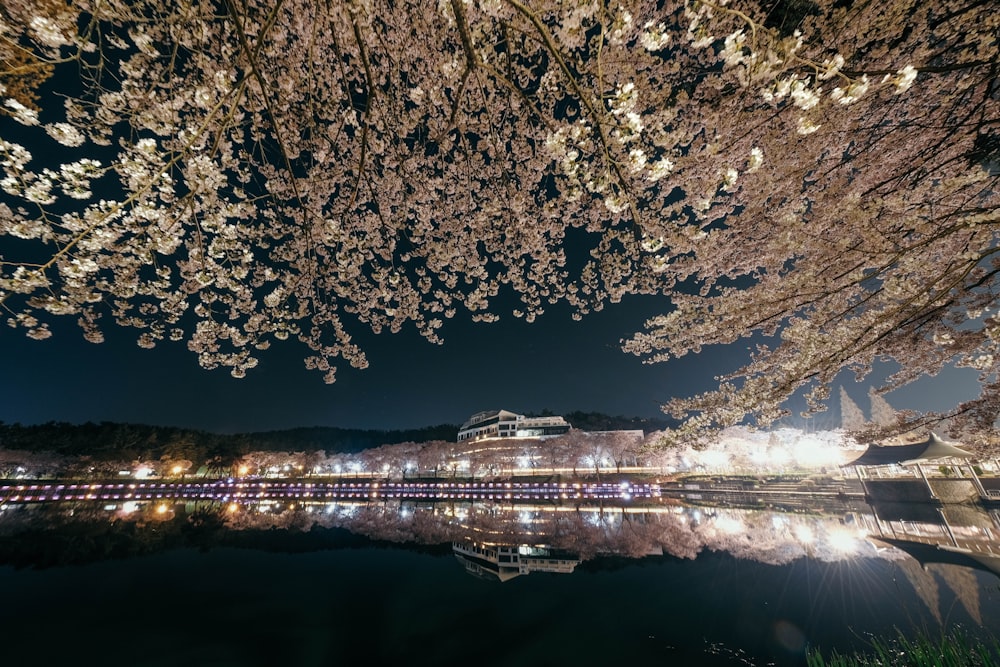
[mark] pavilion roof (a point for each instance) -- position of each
(932, 448)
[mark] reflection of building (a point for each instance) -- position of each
(506, 424)
(947, 543)
(504, 562)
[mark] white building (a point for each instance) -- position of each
(506, 424)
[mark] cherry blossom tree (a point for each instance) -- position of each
(871, 237)
(234, 173)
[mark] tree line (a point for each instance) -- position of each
(102, 448)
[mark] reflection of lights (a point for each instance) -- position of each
(728, 525)
(804, 534)
(844, 541)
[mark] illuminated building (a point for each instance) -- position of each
(506, 424)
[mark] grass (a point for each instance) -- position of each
(954, 648)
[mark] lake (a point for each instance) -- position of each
(207, 578)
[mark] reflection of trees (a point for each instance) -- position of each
(682, 532)
(62, 533)
(52, 536)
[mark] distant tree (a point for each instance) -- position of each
(623, 448)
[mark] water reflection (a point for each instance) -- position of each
(767, 572)
(580, 522)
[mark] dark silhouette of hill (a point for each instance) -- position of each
(597, 421)
(112, 441)
(115, 441)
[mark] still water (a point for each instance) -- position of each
(536, 580)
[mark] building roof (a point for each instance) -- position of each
(933, 448)
(485, 415)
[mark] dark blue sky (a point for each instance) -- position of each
(554, 363)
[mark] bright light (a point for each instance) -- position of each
(728, 525)
(143, 472)
(811, 452)
(844, 541)
(243, 470)
(129, 507)
(804, 534)
(162, 509)
(177, 469)
(714, 459)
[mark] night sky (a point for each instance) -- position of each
(554, 363)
